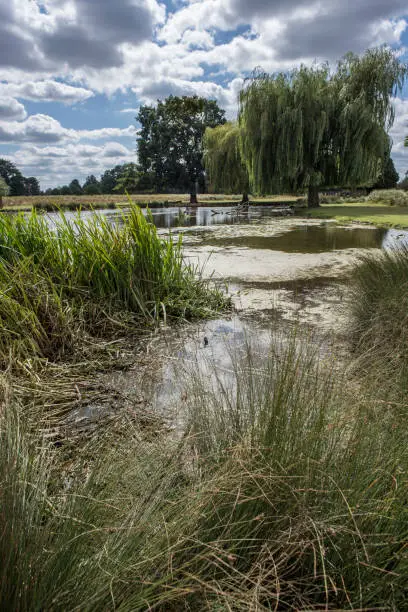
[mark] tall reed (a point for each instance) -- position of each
(93, 269)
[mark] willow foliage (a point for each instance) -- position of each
(223, 161)
(313, 127)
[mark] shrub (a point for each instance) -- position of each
(390, 197)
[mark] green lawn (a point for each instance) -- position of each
(377, 214)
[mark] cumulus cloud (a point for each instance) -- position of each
(58, 165)
(46, 130)
(11, 109)
(18, 48)
(47, 91)
(197, 39)
(227, 97)
(398, 133)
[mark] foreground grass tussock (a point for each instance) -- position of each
(380, 316)
(94, 272)
(288, 493)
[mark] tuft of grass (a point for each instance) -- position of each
(58, 275)
(380, 315)
(290, 494)
(34, 319)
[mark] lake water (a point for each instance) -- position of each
(297, 236)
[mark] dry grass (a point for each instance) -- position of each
(112, 200)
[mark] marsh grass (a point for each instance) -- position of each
(56, 277)
(380, 317)
(288, 492)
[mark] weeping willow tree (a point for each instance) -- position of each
(223, 162)
(313, 128)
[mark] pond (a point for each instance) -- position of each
(293, 236)
(280, 272)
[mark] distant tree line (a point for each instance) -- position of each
(121, 178)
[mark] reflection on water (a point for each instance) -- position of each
(166, 218)
(308, 239)
(300, 238)
(203, 217)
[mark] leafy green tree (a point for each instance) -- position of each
(13, 177)
(313, 128)
(91, 185)
(8, 170)
(389, 177)
(75, 187)
(65, 190)
(170, 143)
(17, 185)
(4, 190)
(128, 179)
(31, 186)
(110, 178)
(223, 161)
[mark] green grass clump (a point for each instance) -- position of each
(307, 508)
(34, 319)
(96, 271)
(380, 315)
(369, 212)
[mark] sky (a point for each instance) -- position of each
(73, 73)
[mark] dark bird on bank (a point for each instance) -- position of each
(205, 341)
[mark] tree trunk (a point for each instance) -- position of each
(1, 201)
(245, 198)
(193, 195)
(313, 197)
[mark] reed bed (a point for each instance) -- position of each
(287, 492)
(61, 278)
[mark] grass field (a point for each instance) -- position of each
(114, 201)
(365, 212)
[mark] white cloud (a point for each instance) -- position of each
(58, 165)
(47, 130)
(398, 133)
(227, 97)
(46, 91)
(11, 109)
(197, 39)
